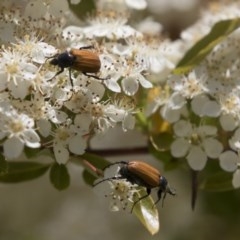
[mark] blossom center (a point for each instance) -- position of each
(12, 68)
(16, 126)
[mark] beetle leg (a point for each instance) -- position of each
(70, 77)
(141, 198)
(54, 56)
(93, 76)
(86, 47)
(59, 72)
(159, 194)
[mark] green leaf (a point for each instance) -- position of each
(83, 8)
(147, 213)
(88, 177)
(59, 176)
(218, 182)
(23, 171)
(204, 46)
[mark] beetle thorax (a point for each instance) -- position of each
(63, 60)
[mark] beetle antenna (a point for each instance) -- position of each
(108, 179)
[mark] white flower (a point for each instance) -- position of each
(84, 94)
(108, 114)
(36, 50)
(16, 73)
(188, 86)
(230, 103)
(132, 76)
(119, 191)
(71, 137)
(197, 144)
(109, 25)
(173, 108)
(16, 130)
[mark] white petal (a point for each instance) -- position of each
(212, 147)
(236, 179)
(130, 85)
(19, 90)
(129, 122)
(170, 115)
(61, 153)
(31, 138)
(57, 116)
(228, 161)
(144, 82)
(77, 145)
(182, 128)
(139, 4)
(97, 88)
(234, 141)
(13, 147)
(151, 108)
(112, 85)
(176, 101)
(211, 109)
(197, 158)
(179, 147)
(198, 103)
(83, 121)
(44, 127)
(228, 122)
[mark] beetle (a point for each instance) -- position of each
(81, 59)
(144, 175)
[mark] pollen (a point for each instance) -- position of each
(62, 134)
(12, 68)
(16, 126)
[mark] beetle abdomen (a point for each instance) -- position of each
(85, 61)
(148, 175)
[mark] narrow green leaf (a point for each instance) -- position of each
(204, 46)
(218, 182)
(59, 176)
(95, 160)
(147, 213)
(23, 171)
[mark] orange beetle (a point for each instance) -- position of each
(82, 60)
(144, 175)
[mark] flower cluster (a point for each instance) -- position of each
(120, 192)
(203, 106)
(40, 110)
